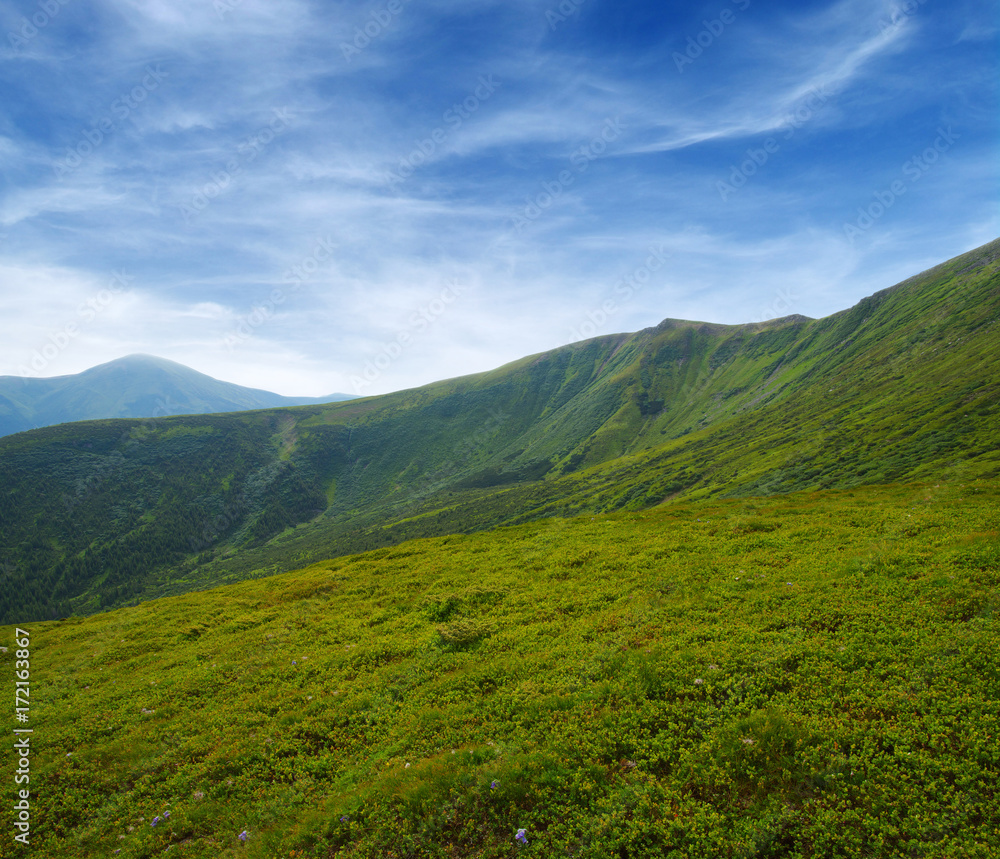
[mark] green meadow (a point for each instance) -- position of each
(804, 675)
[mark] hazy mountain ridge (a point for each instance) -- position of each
(136, 386)
(899, 386)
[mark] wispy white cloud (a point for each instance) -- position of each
(826, 54)
(26, 204)
(352, 121)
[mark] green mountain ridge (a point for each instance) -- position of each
(699, 591)
(136, 386)
(901, 386)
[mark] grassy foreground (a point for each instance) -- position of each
(812, 675)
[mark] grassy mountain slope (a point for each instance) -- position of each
(809, 675)
(136, 386)
(900, 386)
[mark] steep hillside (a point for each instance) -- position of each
(137, 386)
(803, 676)
(900, 386)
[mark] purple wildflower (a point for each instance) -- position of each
(493, 785)
(155, 821)
(521, 836)
(242, 836)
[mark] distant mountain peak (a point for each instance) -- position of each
(133, 386)
(143, 358)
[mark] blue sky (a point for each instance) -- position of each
(312, 197)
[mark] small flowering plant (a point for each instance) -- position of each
(522, 836)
